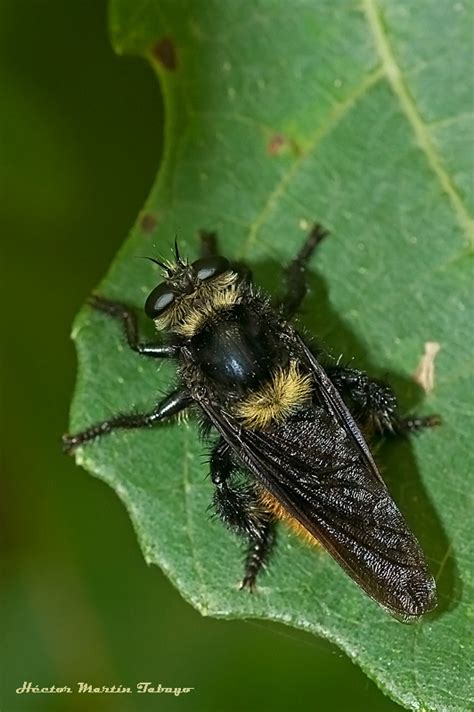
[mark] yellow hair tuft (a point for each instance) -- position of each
(189, 312)
(271, 504)
(277, 399)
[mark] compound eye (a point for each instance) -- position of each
(158, 301)
(209, 267)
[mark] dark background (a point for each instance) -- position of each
(81, 142)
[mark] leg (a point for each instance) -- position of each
(376, 402)
(129, 322)
(169, 406)
(239, 507)
(405, 426)
(208, 243)
(259, 551)
(295, 273)
(209, 249)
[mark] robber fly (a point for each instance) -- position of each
(287, 445)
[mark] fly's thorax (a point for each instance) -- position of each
(238, 351)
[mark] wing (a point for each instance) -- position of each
(319, 468)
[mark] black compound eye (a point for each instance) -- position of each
(209, 267)
(159, 301)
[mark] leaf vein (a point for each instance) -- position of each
(420, 128)
(332, 120)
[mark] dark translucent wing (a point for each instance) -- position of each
(319, 468)
(336, 407)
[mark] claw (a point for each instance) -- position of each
(69, 443)
(248, 582)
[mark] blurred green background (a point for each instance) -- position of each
(81, 133)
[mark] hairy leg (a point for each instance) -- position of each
(128, 320)
(295, 273)
(258, 553)
(238, 506)
(169, 406)
(375, 402)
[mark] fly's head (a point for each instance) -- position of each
(190, 289)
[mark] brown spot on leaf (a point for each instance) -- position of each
(276, 144)
(165, 52)
(424, 374)
(148, 222)
(279, 143)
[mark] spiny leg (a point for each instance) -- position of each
(239, 507)
(258, 553)
(376, 402)
(402, 426)
(295, 273)
(169, 406)
(129, 322)
(233, 501)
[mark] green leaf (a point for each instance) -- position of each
(278, 114)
